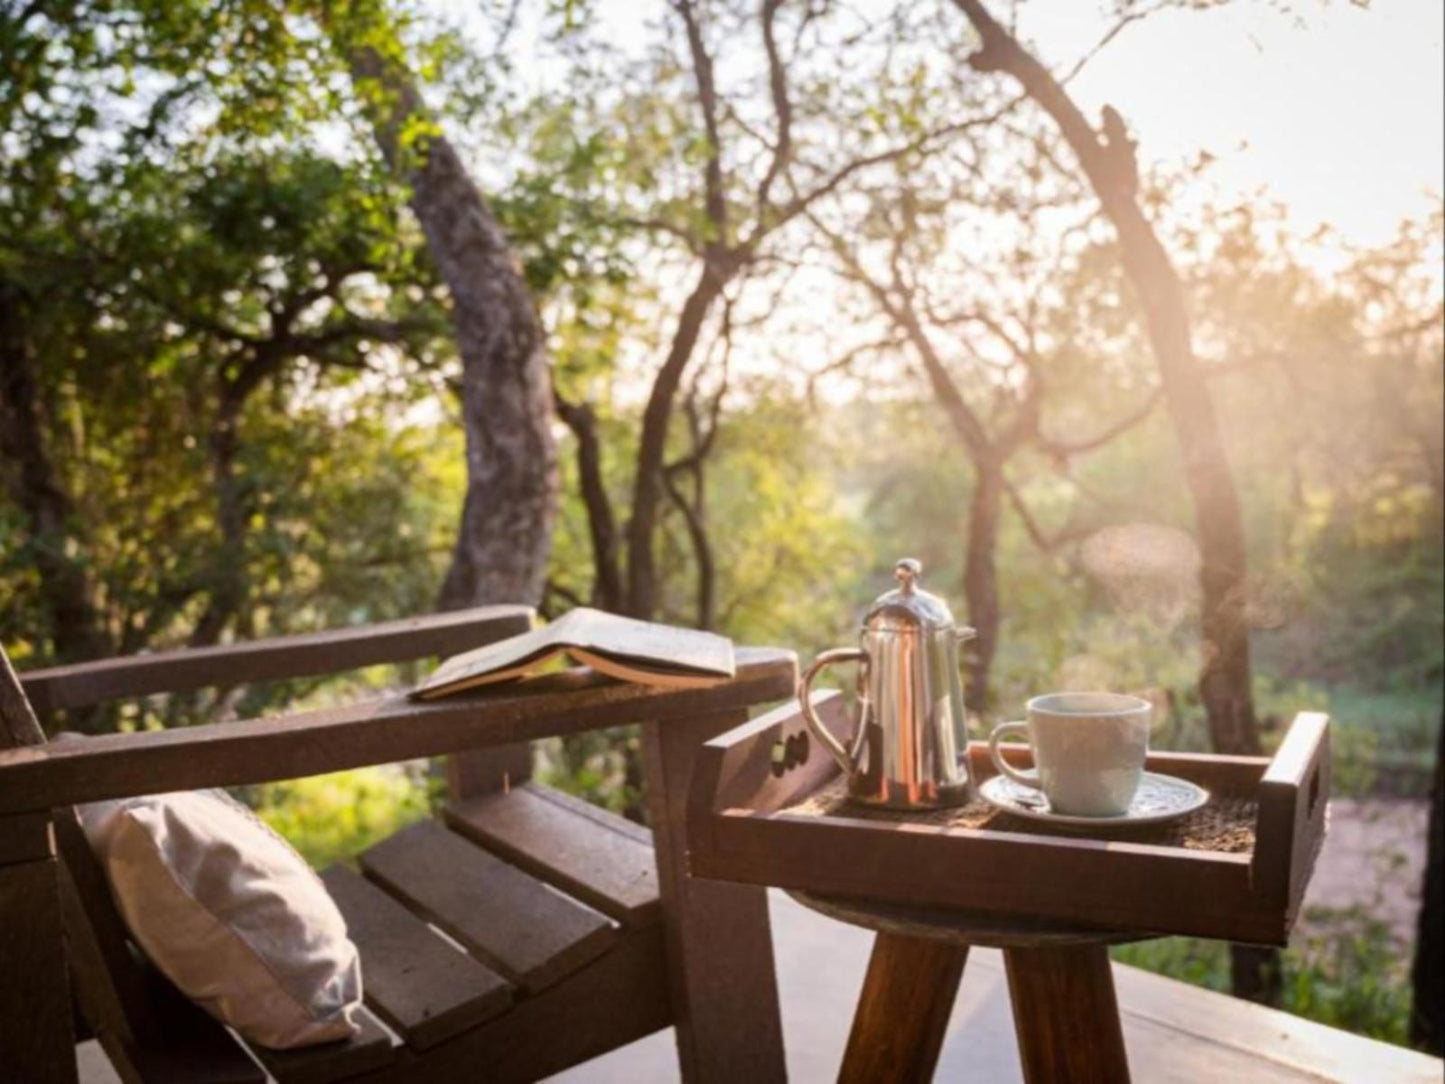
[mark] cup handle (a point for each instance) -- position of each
(1027, 778)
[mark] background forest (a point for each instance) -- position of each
(787, 291)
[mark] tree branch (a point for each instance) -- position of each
(782, 107)
(802, 202)
(1062, 449)
(965, 422)
(658, 225)
(1031, 526)
(845, 361)
(715, 199)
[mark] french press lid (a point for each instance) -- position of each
(907, 608)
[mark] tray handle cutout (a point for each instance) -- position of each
(789, 752)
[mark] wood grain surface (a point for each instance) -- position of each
(273, 658)
(36, 1041)
(424, 988)
(721, 979)
(586, 854)
(903, 1011)
(378, 732)
(1066, 1015)
(1099, 879)
(367, 1050)
(518, 925)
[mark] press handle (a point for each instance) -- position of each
(1027, 778)
(805, 702)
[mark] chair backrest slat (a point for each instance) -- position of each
(274, 658)
(18, 725)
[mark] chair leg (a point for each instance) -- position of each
(37, 1042)
(722, 985)
(1066, 1016)
(903, 1011)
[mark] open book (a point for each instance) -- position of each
(632, 650)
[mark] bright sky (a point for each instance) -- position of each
(1337, 110)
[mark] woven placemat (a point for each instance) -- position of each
(1224, 825)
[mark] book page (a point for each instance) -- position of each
(512, 654)
(620, 646)
(650, 645)
(654, 674)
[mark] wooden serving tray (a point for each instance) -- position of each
(767, 807)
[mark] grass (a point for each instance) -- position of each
(1346, 969)
(1383, 739)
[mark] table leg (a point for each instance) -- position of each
(903, 1011)
(1066, 1016)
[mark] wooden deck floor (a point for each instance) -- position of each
(1174, 1032)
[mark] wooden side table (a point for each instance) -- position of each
(1065, 1013)
(768, 807)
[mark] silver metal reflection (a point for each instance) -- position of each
(910, 747)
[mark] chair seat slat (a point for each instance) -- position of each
(531, 933)
(594, 855)
(371, 1048)
(423, 987)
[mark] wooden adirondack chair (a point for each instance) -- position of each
(581, 930)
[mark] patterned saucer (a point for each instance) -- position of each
(1160, 798)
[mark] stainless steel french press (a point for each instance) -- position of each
(910, 747)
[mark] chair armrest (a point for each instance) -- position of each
(331, 651)
(39, 777)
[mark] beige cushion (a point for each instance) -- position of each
(231, 914)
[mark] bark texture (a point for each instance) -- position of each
(505, 536)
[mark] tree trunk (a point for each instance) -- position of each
(694, 514)
(652, 448)
(601, 524)
(1427, 977)
(1225, 684)
(505, 536)
(76, 631)
(980, 577)
(1107, 159)
(226, 586)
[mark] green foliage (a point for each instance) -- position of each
(1348, 971)
(232, 339)
(596, 765)
(1351, 974)
(332, 818)
(1188, 959)
(198, 241)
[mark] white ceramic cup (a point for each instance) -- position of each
(1089, 751)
